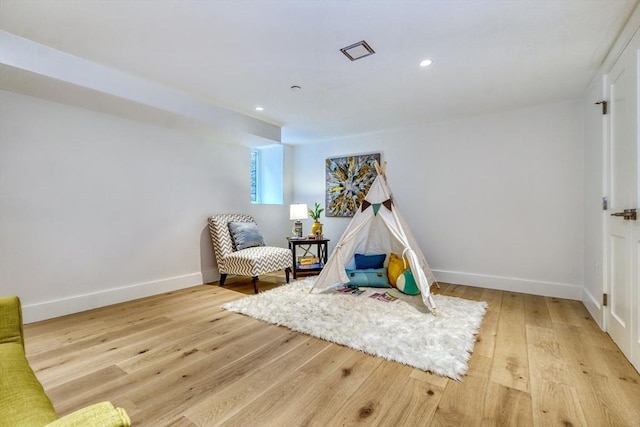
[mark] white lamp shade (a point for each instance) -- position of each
(298, 211)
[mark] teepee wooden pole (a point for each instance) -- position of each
(380, 169)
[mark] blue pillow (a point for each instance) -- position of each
(245, 235)
(373, 278)
(364, 261)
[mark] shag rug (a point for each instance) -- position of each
(402, 330)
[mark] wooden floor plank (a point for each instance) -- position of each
(181, 422)
(410, 403)
(222, 368)
(375, 402)
(186, 339)
(505, 406)
(241, 395)
(428, 377)
(462, 403)
(473, 293)
(546, 358)
(269, 410)
(556, 404)
(70, 395)
(618, 403)
(67, 363)
(510, 362)
(486, 338)
(563, 311)
(324, 396)
(536, 312)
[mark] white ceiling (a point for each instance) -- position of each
(488, 56)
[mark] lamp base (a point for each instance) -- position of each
(297, 229)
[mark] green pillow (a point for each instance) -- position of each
(371, 277)
(406, 283)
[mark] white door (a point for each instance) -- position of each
(623, 232)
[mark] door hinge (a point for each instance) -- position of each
(604, 106)
(605, 203)
(605, 300)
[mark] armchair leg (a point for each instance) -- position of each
(254, 280)
(287, 271)
(223, 277)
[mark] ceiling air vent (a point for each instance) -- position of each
(357, 50)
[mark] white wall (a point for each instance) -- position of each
(96, 209)
(495, 201)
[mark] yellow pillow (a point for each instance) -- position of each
(395, 268)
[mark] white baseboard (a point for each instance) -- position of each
(74, 304)
(525, 286)
(77, 303)
(594, 307)
(210, 275)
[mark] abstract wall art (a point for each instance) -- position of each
(348, 181)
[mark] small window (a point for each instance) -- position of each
(254, 176)
(267, 175)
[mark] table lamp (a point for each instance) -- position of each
(298, 212)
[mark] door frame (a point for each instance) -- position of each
(631, 31)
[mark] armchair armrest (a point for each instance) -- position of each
(102, 414)
(11, 320)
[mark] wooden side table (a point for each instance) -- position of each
(314, 248)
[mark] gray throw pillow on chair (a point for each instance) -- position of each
(245, 235)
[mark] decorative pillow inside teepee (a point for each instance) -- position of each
(364, 261)
(395, 268)
(371, 278)
(407, 284)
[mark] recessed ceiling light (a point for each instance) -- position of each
(426, 62)
(259, 109)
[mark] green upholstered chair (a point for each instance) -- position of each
(23, 402)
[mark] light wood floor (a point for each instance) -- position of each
(178, 359)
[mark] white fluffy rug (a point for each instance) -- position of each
(402, 330)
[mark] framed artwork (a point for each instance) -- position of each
(348, 181)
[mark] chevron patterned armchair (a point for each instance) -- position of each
(241, 255)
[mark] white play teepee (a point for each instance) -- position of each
(377, 227)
